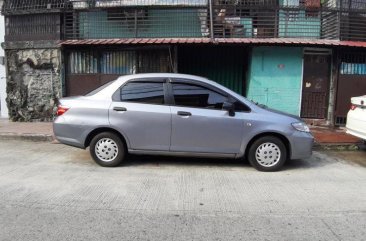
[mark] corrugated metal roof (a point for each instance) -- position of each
(286, 41)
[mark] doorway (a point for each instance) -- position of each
(315, 86)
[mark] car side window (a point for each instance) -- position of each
(191, 95)
(143, 92)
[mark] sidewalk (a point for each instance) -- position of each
(34, 131)
(42, 131)
(334, 138)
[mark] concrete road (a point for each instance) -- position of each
(55, 192)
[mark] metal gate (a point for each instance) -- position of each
(315, 86)
(351, 82)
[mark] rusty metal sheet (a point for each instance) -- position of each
(218, 40)
(348, 86)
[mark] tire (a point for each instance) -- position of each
(107, 149)
(267, 154)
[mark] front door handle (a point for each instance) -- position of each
(119, 108)
(184, 113)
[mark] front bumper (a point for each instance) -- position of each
(301, 145)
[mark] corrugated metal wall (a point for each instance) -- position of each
(225, 65)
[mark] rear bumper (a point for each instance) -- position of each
(68, 134)
(301, 145)
(356, 123)
(356, 133)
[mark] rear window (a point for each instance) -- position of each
(143, 92)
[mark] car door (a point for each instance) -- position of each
(139, 112)
(199, 124)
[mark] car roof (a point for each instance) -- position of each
(164, 75)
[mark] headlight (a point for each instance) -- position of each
(301, 126)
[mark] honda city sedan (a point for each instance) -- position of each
(180, 115)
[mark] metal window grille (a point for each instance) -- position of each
(107, 19)
(33, 27)
(353, 64)
(31, 6)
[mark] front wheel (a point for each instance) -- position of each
(107, 149)
(267, 154)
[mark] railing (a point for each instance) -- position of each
(107, 19)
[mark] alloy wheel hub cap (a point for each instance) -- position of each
(106, 149)
(268, 154)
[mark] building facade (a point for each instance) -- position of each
(304, 57)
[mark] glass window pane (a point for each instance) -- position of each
(143, 92)
(197, 96)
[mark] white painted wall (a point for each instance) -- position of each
(4, 109)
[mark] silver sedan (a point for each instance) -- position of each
(181, 115)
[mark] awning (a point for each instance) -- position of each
(259, 41)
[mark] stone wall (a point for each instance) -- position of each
(33, 83)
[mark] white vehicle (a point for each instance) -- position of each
(356, 117)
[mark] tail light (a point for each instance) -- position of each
(61, 110)
(353, 107)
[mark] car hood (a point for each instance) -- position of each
(294, 117)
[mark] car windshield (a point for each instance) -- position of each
(99, 89)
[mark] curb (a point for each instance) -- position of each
(337, 146)
(27, 137)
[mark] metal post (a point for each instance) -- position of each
(135, 23)
(211, 21)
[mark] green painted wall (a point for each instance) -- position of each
(167, 23)
(275, 78)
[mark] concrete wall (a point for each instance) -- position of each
(33, 83)
(275, 78)
(3, 106)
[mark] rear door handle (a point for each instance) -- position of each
(119, 108)
(184, 113)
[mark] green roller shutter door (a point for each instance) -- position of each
(225, 65)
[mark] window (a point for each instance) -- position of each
(143, 92)
(196, 96)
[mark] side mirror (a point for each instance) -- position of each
(228, 106)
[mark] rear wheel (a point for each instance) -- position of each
(107, 149)
(267, 154)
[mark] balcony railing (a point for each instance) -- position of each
(107, 19)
